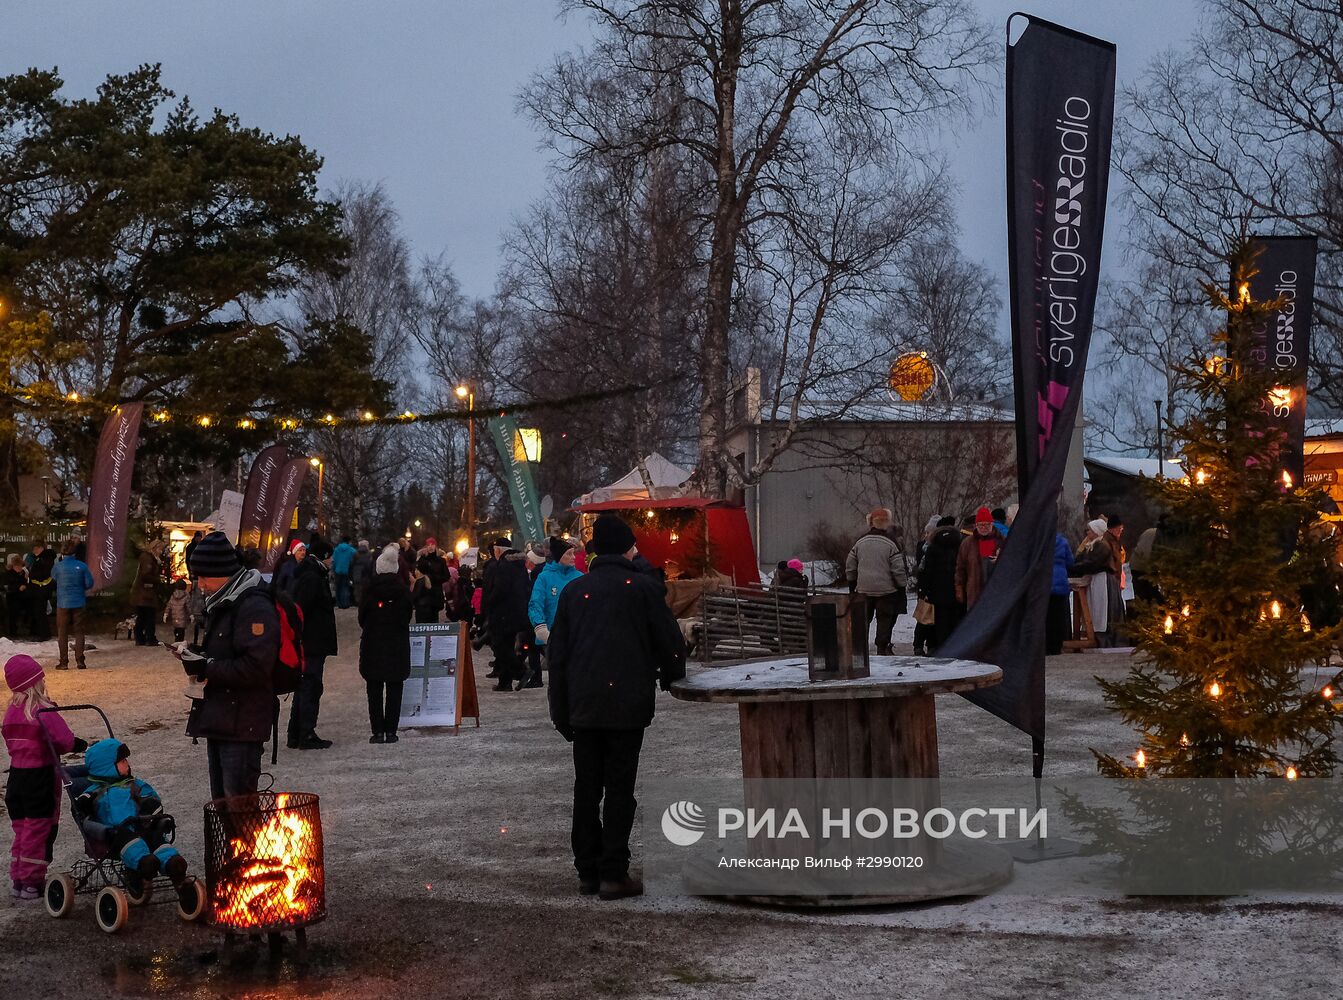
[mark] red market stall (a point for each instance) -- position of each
(686, 536)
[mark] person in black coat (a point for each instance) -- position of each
(426, 593)
(310, 588)
(237, 708)
(384, 646)
(510, 588)
(613, 642)
(937, 581)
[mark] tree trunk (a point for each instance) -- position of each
(9, 467)
(714, 354)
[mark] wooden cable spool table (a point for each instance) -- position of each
(883, 726)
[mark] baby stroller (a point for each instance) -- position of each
(100, 872)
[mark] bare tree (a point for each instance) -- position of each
(374, 293)
(1245, 134)
(764, 91)
(949, 472)
(948, 306)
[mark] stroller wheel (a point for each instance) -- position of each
(111, 909)
(191, 900)
(59, 895)
(138, 889)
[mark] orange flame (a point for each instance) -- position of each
(271, 877)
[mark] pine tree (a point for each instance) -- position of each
(1231, 679)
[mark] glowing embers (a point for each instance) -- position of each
(264, 869)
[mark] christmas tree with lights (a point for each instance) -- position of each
(1231, 678)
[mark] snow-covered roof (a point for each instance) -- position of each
(1130, 466)
(886, 411)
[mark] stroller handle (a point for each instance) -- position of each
(82, 708)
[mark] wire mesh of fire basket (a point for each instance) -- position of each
(263, 862)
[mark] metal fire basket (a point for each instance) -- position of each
(264, 863)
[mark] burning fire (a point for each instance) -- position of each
(270, 877)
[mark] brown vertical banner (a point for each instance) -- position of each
(109, 500)
(262, 483)
(286, 499)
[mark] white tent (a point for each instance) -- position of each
(667, 479)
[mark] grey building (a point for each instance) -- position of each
(916, 458)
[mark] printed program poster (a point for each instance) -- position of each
(430, 694)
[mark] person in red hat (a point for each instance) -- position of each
(977, 557)
(284, 573)
(32, 794)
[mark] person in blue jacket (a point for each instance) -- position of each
(545, 600)
(1059, 622)
(342, 558)
(73, 583)
(132, 809)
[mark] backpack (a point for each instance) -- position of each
(289, 664)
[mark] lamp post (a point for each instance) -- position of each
(1160, 443)
(320, 466)
(467, 393)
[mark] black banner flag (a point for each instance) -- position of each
(1060, 111)
(1286, 269)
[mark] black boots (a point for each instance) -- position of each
(622, 888)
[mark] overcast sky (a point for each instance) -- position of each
(421, 94)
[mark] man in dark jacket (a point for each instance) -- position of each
(310, 587)
(613, 642)
(509, 588)
(237, 709)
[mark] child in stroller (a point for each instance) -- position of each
(132, 811)
(127, 840)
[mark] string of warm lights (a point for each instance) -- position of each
(1274, 610)
(42, 396)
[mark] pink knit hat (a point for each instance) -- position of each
(795, 564)
(22, 672)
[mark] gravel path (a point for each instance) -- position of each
(449, 875)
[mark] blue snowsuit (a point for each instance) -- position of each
(546, 593)
(122, 803)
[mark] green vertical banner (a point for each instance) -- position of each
(520, 485)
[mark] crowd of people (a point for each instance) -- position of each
(608, 648)
(953, 562)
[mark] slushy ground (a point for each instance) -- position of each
(449, 875)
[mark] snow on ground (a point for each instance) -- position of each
(449, 875)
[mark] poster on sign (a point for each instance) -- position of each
(441, 689)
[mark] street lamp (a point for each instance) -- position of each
(317, 464)
(467, 393)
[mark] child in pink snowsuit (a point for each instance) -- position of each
(33, 794)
